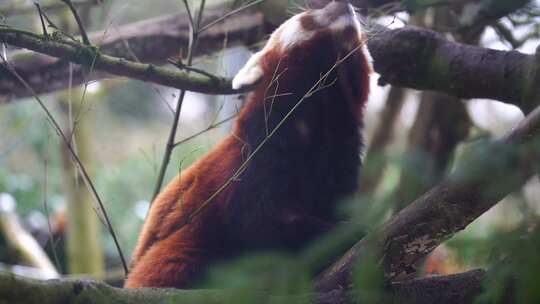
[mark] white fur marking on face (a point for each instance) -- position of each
(250, 73)
(343, 22)
(292, 32)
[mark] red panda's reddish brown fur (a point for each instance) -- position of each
(286, 194)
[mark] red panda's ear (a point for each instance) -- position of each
(250, 73)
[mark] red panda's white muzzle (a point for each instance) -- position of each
(334, 12)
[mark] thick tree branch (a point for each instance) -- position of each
(480, 181)
(424, 60)
(460, 288)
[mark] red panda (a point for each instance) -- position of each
(294, 151)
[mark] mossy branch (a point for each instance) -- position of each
(91, 56)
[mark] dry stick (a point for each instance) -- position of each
(44, 28)
(86, 56)
(82, 168)
(209, 25)
(193, 39)
(210, 127)
(82, 31)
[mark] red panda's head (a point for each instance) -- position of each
(307, 46)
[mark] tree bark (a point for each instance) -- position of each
(424, 60)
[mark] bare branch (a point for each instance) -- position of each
(150, 41)
(89, 56)
(80, 24)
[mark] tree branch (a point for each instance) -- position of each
(460, 288)
(92, 58)
(423, 60)
(151, 41)
(479, 182)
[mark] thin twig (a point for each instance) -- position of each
(181, 66)
(210, 127)
(45, 33)
(209, 25)
(57, 28)
(82, 168)
(193, 39)
(82, 30)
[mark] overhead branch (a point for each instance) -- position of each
(424, 60)
(151, 41)
(92, 58)
(483, 178)
(408, 57)
(460, 288)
